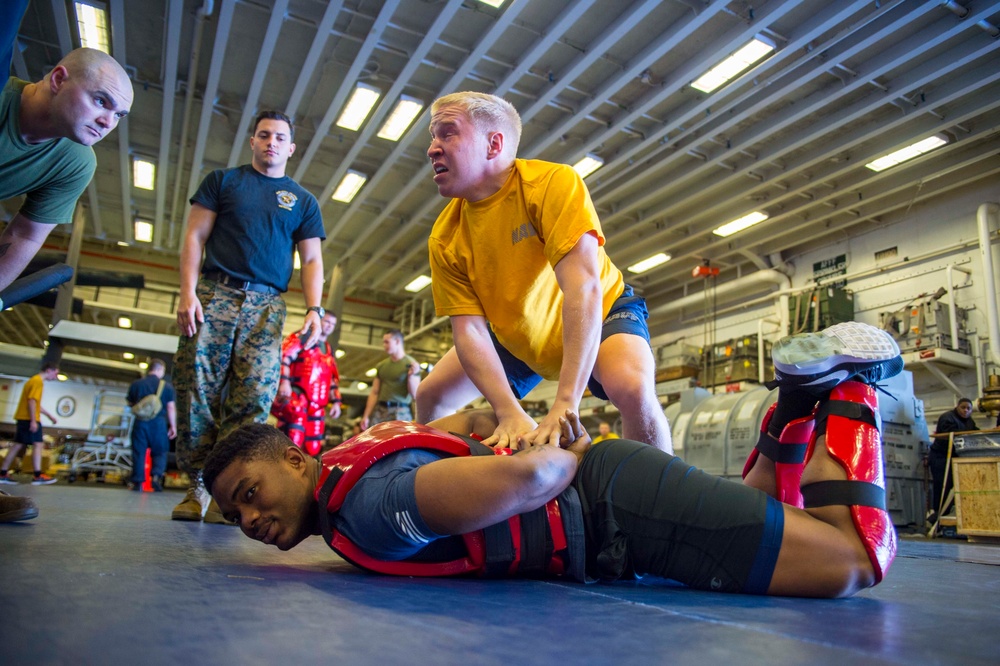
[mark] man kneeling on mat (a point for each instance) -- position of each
(411, 499)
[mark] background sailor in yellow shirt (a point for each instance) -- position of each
(605, 433)
(518, 263)
(29, 426)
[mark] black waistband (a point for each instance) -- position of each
(244, 285)
(391, 403)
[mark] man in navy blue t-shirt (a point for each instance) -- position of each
(152, 434)
(248, 221)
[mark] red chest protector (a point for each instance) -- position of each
(314, 370)
(548, 540)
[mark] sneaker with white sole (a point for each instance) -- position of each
(817, 362)
(42, 480)
(6, 480)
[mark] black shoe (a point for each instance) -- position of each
(132, 485)
(817, 362)
(157, 483)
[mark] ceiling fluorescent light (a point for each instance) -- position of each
(650, 262)
(92, 24)
(588, 165)
(417, 283)
(128, 356)
(296, 261)
(908, 153)
(124, 322)
(142, 230)
(371, 372)
(493, 3)
(358, 106)
(740, 224)
(143, 174)
(407, 108)
(340, 353)
(349, 186)
(734, 65)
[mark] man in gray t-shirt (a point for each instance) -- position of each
(394, 386)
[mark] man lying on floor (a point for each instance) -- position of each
(416, 500)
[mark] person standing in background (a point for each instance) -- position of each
(395, 385)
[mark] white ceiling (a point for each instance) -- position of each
(850, 81)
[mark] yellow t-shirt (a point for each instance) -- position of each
(604, 438)
(32, 391)
(495, 258)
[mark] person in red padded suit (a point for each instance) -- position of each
(309, 382)
(425, 500)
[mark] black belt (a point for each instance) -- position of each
(390, 404)
(244, 285)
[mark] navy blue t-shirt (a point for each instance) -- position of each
(258, 222)
(140, 388)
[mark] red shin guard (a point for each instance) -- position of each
(850, 422)
(788, 453)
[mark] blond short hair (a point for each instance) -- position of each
(487, 112)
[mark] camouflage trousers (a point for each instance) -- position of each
(226, 375)
(383, 413)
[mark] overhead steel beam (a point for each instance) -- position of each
(223, 29)
(388, 102)
(257, 83)
(175, 10)
(346, 87)
(312, 58)
(117, 12)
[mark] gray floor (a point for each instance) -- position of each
(102, 576)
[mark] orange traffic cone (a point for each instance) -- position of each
(147, 485)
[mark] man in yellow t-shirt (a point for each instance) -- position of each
(29, 426)
(605, 433)
(518, 263)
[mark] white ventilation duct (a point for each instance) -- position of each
(986, 217)
(727, 291)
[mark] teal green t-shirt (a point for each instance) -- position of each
(52, 174)
(392, 376)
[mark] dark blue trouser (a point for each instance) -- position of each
(150, 435)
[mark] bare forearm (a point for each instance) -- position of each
(19, 242)
(190, 263)
(312, 283)
(581, 339)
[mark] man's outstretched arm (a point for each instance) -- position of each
(19, 243)
(459, 495)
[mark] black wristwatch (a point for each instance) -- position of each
(318, 309)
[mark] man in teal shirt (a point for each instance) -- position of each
(394, 386)
(46, 133)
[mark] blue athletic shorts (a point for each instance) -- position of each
(23, 434)
(628, 315)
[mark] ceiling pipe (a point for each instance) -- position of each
(315, 51)
(986, 216)
(175, 9)
(117, 12)
(955, 8)
(192, 80)
(208, 100)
